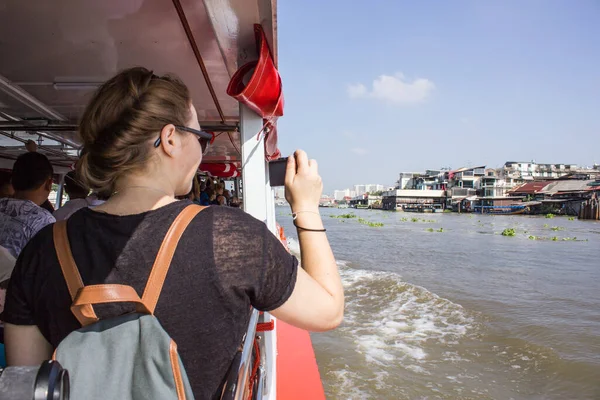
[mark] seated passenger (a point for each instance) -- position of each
(79, 197)
(219, 199)
(235, 202)
(225, 262)
(204, 195)
(6, 188)
(21, 217)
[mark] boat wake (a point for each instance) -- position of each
(394, 328)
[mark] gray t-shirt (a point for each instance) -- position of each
(20, 220)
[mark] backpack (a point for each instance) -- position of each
(129, 357)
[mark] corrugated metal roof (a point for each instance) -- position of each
(531, 187)
(567, 186)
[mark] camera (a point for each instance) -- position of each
(49, 381)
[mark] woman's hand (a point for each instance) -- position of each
(303, 185)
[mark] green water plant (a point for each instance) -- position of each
(571, 218)
(509, 232)
(369, 223)
(345, 216)
(549, 215)
(557, 228)
(441, 230)
(531, 237)
(414, 219)
(429, 229)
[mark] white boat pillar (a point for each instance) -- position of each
(259, 202)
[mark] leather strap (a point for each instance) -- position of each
(85, 314)
(65, 258)
(85, 296)
(165, 255)
(99, 294)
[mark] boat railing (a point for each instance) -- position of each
(238, 384)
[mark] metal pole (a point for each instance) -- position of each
(59, 193)
(246, 355)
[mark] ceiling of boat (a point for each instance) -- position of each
(54, 54)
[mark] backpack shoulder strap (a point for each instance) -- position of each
(165, 255)
(70, 271)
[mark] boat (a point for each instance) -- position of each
(56, 53)
(422, 208)
(501, 210)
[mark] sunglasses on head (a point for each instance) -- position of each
(203, 137)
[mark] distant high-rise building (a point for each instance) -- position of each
(340, 194)
(373, 188)
(360, 189)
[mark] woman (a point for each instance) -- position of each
(141, 148)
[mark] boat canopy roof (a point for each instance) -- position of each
(56, 53)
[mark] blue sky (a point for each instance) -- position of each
(373, 88)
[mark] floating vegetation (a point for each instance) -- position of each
(571, 218)
(344, 216)
(557, 239)
(557, 228)
(431, 221)
(404, 219)
(371, 224)
(429, 230)
(447, 211)
(441, 230)
(509, 232)
(546, 225)
(550, 215)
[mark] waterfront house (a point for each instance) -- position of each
(466, 178)
(398, 199)
(530, 170)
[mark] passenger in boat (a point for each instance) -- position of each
(6, 188)
(235, 202)
(46, 205)
(225, 262)
(32, 147)
(21, 217)
(204, 199)
(79, 197)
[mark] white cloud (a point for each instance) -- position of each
(359, 150)
(394, 89)
(356, 91)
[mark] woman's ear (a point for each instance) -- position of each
(168, 139)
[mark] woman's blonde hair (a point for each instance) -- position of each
(120, 121)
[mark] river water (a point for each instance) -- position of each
(465, 313)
